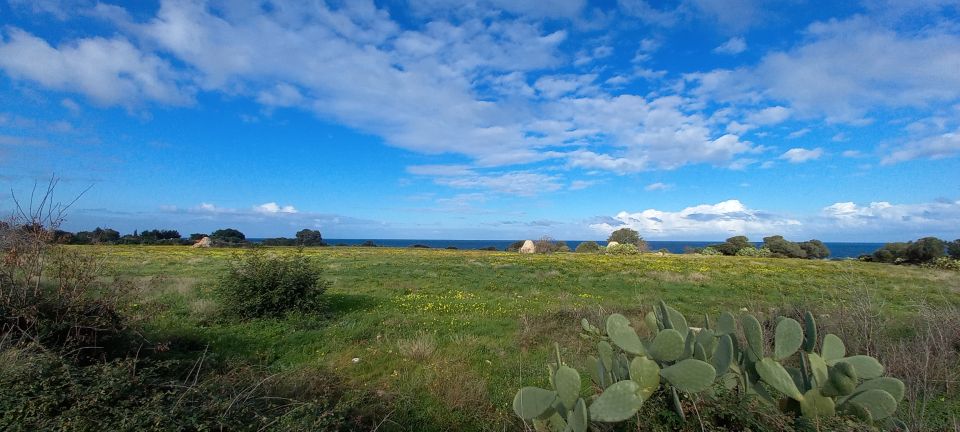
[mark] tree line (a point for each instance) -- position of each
(220, 237)
(921, 251)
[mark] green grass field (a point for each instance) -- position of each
(448, 336)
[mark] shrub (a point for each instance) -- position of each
(588, 247)
(308, 237)
(258, 285)
(925, 249)
(228, 237)
(782, 248)
(628, 236)
(57, 298)
(751, 251)
(622, 249)
(547, 244)
(953, 249)
(815, 249)
(709, 250)
(368, 243)
(891, 252)
(515, 246)
(733, 245)
(944, 263)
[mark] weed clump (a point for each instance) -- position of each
(259, 284)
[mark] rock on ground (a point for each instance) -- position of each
(204, 242)
(528, 247)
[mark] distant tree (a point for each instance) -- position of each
(515, 246)
(925, 249)
(489, 248)
(815, 249)
(781, 247)
(953, 249)
(60, 236)
(628, 236)
(82, 237)
(420, 246)
(547, 244)
(588, 247)
(732, 245)
(891, 253)
(279, 241)
(308, 237)
(368, 243)
(228, 235)
(105, 235)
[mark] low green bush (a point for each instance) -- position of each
(259, 284)
(622, 249)
(42, 391)
(709, 250)
(751, 251)
(588, 247)
(944, 263)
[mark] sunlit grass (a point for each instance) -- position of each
(410, 315)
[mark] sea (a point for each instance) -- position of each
(838, 250)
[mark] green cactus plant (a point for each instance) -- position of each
(629, 370)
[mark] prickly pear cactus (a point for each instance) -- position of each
(677, 358)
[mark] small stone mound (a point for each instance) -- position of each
(204, 242)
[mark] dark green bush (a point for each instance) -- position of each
(588, 247)
(40, 391)
(925, 249)
(782, 248)
(259, 284)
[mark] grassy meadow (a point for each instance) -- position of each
(444, 338)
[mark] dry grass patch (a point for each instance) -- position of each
(420, 347)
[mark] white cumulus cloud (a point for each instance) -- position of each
(800, 155)
(274, 208)
(710, 221)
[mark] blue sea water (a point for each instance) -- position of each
(837, 250)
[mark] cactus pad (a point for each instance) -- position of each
(867, 367)
(668, 345)
(787, 338)
(773, 373)
(567, 383)
(815, 404)
(690, 375)
(879, 403)
(617, 403)
(623, 335)
(532, 402)
(809, 332)
(833, 348)
(754, 334)
(646, 373)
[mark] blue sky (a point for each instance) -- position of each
(686, 120)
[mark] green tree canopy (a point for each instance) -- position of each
(309, 237)
(925, 249)
(229, 235)
(815, 249)
(781, 247)
(628, 236)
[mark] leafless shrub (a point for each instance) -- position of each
(51, 296)
(921, 348)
